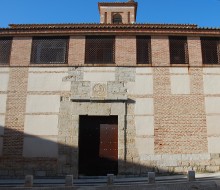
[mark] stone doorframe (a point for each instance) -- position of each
(68, 130)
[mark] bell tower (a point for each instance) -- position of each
(118, 12)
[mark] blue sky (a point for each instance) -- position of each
(201, 12)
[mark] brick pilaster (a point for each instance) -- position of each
(195, 52)
(21, 51)
(125, 50)
(76, 50)
(15, 112)
(160, 50)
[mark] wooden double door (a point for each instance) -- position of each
(98, 145)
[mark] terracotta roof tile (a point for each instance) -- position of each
(96, 25)
(96, 28)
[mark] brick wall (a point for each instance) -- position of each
(194, 49)
(21, 51)
(171, 119)
(160, 51)
(76, 50)
(15, 110)
(125, 53)
(125, 50)
(166, 126)
(180, 123)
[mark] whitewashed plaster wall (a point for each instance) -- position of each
(142, 92)
(4, 80)
(180, 81)
(43, 106)
(211, 78)
(45, 86)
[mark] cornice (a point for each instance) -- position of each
(107, 29)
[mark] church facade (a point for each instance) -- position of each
(115, 97)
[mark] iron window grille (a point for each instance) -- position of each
(178, 50)
(210, 50)
(49, 50)
(100, 49)
(5, 49)
(143, 49)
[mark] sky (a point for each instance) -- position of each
(204, 13)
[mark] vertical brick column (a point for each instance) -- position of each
(125, 50)
(21, 51)
(16, 98)
(76, 50)
(197, 91)
(16, 105)
(160, 51)
(195, 52)
(196, 78)
(162, 89)
(162, 86)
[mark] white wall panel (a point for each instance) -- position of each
(211, 84)
(144, 84)
(42, 103)
(176, 70)
(3, 99)
(213, 125)
(144, 106)
(41, 124)
(144, 70)
(214, 144)
(39, 147)
(48, 69)
(145, 146)
(180, 84)
(4, 78)
(144, 125)
(212, 105)
(48, 82)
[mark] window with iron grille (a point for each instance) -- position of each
(100, 49)
(143, 49)
(49, 50)
(5, 50)
(210, 50)
(178, 50)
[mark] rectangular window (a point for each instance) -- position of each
(100, 49)
(143, 49)
(46, 50)
(178, 50)
(5, 50)
(210, 50)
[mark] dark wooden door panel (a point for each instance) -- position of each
(108, 147)
(98, 145)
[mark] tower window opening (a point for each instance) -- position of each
(117, 19)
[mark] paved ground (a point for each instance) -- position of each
(179, 182)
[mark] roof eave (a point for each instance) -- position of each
(116, 30)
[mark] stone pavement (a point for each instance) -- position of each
(179, 182)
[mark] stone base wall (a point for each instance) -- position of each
(181, 163)
(168, 118)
